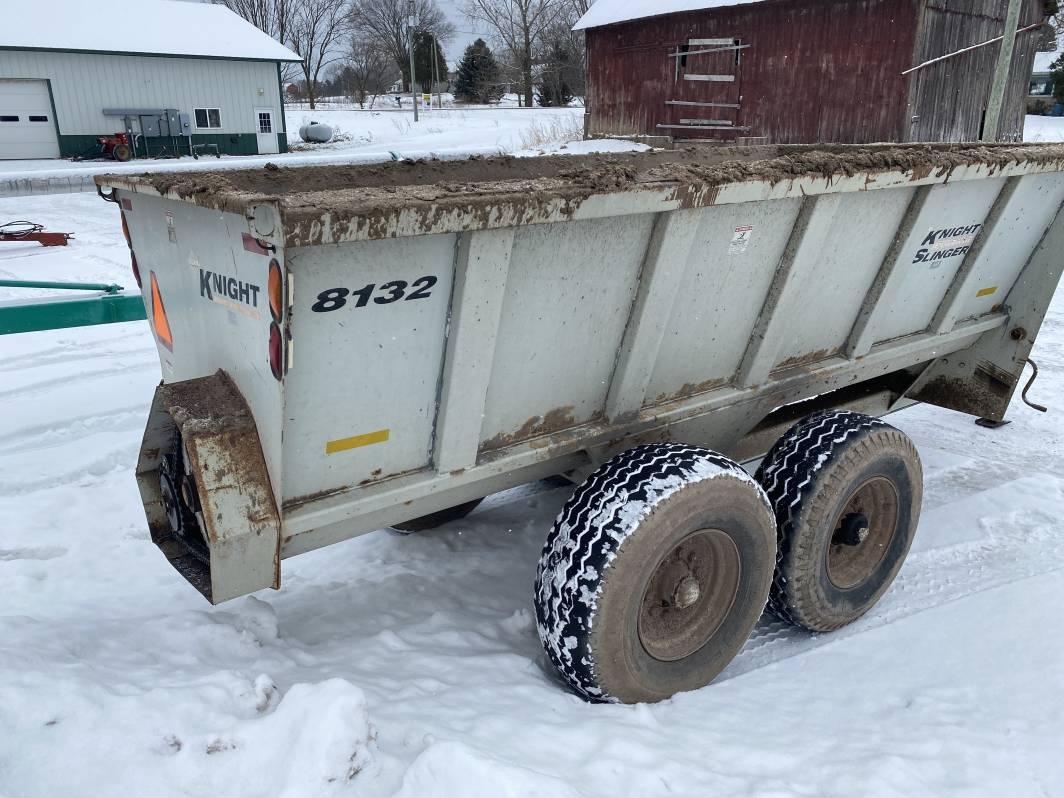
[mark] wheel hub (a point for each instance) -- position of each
(686, 593)
(852, 530)
(690, 593)
(863, 533)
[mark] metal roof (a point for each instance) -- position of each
(609, 12)
(146, 27)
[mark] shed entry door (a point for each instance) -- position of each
(27, 129)
(705, 92)
(265, 131)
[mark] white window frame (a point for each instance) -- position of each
(209, 126)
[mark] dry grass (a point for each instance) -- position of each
(555, 130)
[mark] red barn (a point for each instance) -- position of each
(803, 71)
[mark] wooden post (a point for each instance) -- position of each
(1000, 86)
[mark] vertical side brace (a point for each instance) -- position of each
(861, 337)
(483, 263)
(664, 266)
(946, 315)
(981, 379)
(763, 349)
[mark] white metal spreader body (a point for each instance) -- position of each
(441, 339)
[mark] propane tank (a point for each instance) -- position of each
(316, 132)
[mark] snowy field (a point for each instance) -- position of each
(1043, 128)
(383, 133)
(411, 666)
(361, 137)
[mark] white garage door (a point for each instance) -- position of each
(27, 129)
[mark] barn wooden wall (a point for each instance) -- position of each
(816, 71)
(947, 101)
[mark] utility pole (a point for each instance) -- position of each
(1000, 85)
(436, 70)
(411, 19)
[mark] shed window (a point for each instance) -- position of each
(8, 118)
(1042, 86)
(208, 117)
(38, 119)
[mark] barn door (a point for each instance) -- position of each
(705, 97)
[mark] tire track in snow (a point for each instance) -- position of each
(41, 386)
(1015, 546)
(49, 435)
(123, 456)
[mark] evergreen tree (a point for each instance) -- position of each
(424, 68)
(1056, 75)
(554, 88)
(478, 75)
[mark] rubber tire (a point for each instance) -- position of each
(438, 518)
(603, 548)
(809, 475)
(121, 153)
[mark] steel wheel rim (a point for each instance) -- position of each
(689, 595)
(849, 564)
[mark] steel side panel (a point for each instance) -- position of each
(910, 300)
(835, 274)
(568, 298)
(1030, 211)
(188, 248)
(360, 374)
(721, 296)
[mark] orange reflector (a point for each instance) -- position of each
(274, 287)
(158, 316)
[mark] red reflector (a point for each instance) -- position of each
(252, 244)
(276, 351)
(136, 269)
(127, 204)
(158, 316)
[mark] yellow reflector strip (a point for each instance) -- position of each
(370, 438)
(987, 291)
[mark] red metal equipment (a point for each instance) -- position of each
(31, 231)
(116, 146)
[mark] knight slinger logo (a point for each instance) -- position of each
(946, 243)
(228, 291)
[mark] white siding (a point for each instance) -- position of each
(83, 84)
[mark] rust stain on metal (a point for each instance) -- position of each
(806, 359)
(295, 501)
(690, 389)
(556, 420)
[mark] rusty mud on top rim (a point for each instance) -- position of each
(323, 204)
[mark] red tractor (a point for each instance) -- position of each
(116, 146)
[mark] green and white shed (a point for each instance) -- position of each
(172, 75)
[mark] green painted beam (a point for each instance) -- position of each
(110, 288)
(54, 314)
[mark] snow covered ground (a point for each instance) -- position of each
(381, 133)
(1043, 128)
(411, 666)
(362, 136)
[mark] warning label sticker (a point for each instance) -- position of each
(740, 239)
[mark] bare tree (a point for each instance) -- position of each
(386, 23)
(272, 17)
(316, 34)
(369, 69)
(520, 26)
